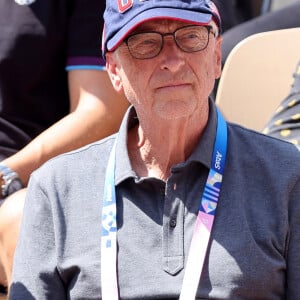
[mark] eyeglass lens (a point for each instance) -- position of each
(149, 44)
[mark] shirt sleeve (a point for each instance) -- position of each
(285, 122)
(84, 35)
(35, 275)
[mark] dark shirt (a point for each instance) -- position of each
(37, 42)
(234, 12)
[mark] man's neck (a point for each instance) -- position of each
(154, 148)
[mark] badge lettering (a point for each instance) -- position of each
(218, 160)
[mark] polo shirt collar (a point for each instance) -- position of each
(204, 149)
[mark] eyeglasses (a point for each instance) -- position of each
(189, 39)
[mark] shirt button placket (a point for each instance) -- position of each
(173, 256)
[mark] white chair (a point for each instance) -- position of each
(257, 76)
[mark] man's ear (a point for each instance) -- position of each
(218, 57)
(113, 72)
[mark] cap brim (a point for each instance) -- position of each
(158, 13)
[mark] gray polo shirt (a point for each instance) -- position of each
(255, 242)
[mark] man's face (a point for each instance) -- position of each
(174, 83)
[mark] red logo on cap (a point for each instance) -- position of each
(124, 5)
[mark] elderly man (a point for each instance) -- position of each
(178, 204)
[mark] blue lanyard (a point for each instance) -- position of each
(202, 231)
(206, 215)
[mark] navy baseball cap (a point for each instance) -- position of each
(122, 16)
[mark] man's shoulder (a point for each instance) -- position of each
(256, 144)
(84, 159)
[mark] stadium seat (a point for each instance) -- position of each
(257, 76)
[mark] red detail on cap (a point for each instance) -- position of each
(124, 5)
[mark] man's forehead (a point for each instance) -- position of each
(158, 23)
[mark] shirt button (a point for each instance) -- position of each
(173, 223)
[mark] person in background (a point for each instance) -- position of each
(178, 204)
(284, 123)
(46, 110)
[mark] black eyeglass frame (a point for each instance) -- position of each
(173, 34)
